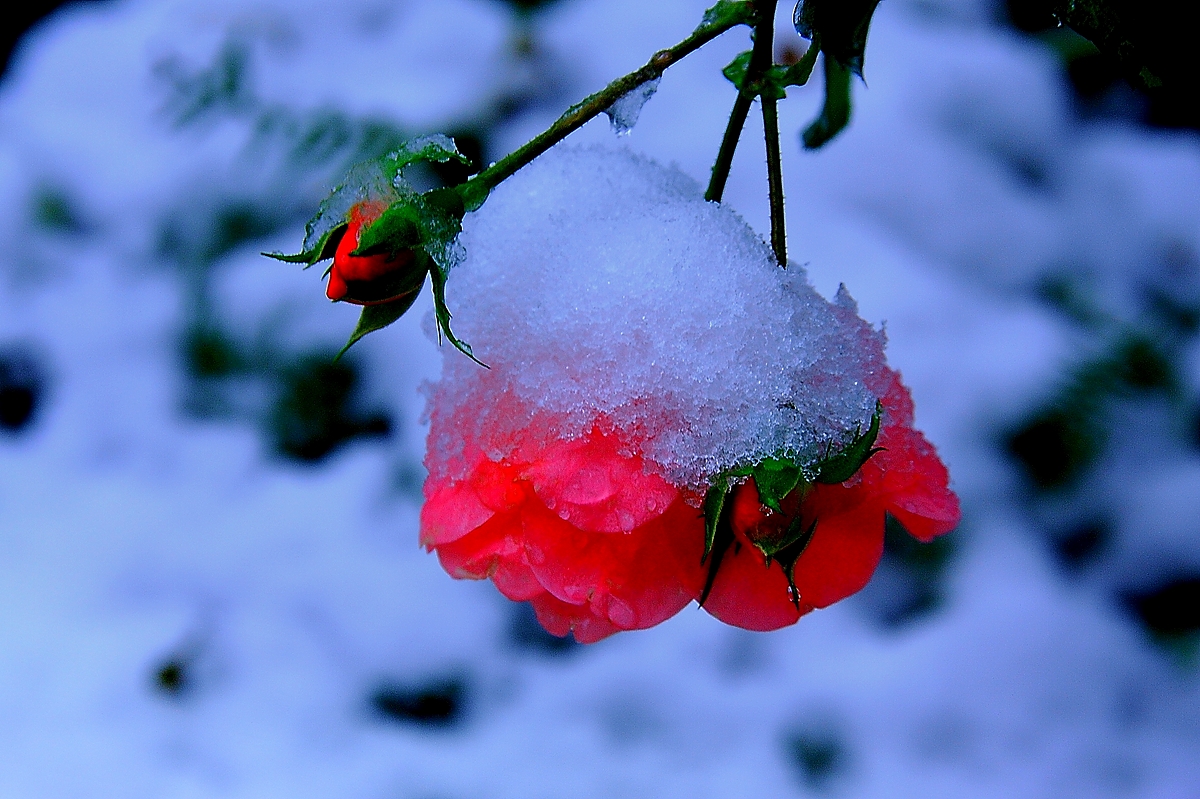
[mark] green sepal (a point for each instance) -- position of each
(444, 210)
(835, 113)
(441, 313)
(786, 555)
(719, 534)
(325, 248)
(398, 228)
(728, 12)
(840, 467)
(775, 478)
(437, 148)
(377, 317)
(776, 80)
(433, 217)
(714, 506)
(842, 26)
(796, 534)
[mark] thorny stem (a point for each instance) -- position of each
(733, 132)
(764, 30)
(578, 115)
(760, 61)
(775, 180)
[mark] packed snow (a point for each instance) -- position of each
(599, 284)
(185, 611)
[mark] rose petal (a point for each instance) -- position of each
(560, 618)
(845, 548)
(592, 484)
(749, 594)
(634, 580)
(495, 550)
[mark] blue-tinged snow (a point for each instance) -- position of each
(134, 535)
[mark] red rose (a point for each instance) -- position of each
(590, 534)
(370, 279)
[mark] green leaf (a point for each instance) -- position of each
(442, 314)
(776, 80)
(775, 479)
(325, 248)
(728, 12)
(377, 317)
(735, 73)
(835, 114)
(842, 26)
(843, 465)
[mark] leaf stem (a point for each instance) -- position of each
(578, 115)
(761, 58)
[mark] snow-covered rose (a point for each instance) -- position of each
(644, 344)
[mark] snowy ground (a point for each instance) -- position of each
(193, 603)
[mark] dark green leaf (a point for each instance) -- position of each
(325, 248)
(735, 73)
(776, 80)
(835, 114)
(842, 26)
(840, 467)
(377, 317)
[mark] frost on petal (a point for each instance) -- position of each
(365, 183)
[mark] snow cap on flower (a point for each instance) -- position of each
(669, 417)
(599, 284)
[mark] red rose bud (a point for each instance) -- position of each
(371, 279)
